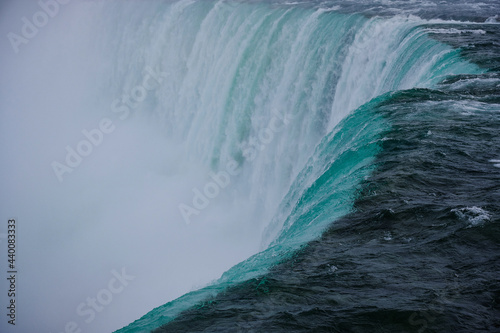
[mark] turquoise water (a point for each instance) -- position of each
(236, 67)
(253, 166)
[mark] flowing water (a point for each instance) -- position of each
(294, 166)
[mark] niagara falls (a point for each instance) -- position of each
(250, 166)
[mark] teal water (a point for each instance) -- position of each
(237, 67)
(253, 166)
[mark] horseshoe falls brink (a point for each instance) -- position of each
(255, 166)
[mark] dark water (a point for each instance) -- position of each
(421, 251)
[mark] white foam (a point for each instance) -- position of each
(493, 19)
(456, 31)
(474, 216)
(496, 163)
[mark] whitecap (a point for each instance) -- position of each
(456, 31)
(474, 215)
(496, 163)
(493, 19)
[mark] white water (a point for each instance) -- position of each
(229, 72)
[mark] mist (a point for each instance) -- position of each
(149, 147)
(117, 210)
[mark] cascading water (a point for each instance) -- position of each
(263, 88)
(274, 101)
